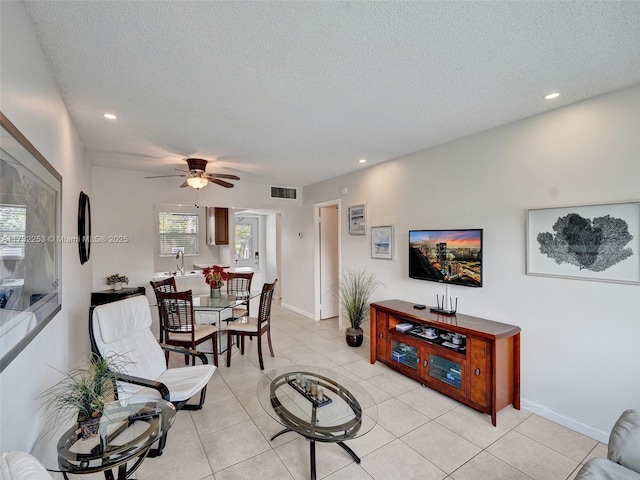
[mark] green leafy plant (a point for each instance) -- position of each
(354, 289)
(116, 278)
(84, 391)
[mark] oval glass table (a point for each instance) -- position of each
(126, 433)
(320, 404)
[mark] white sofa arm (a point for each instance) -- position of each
(624, 442)
(21, 466)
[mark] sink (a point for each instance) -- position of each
(187, 273)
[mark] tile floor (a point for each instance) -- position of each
(420, 434)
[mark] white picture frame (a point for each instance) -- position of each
(357, 220)
(599, 242)
(382, 242)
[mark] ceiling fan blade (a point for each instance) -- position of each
(163, 176)
(223, 175)
(222, 183)
(184, 184)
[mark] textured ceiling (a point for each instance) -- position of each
(292, 93)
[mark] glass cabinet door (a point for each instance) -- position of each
(404, 354)
(445, 370)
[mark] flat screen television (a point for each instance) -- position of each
(452, 257)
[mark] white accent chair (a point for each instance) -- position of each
(623, 455)
(21, 466)
(123, 329)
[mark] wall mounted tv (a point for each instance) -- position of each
(452, 257)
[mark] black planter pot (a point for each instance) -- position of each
(354, 337)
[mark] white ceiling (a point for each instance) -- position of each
(292, 93)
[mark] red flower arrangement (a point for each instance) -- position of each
(215, 276)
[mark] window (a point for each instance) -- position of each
(247, 245)
(13, 230)
(178, 231)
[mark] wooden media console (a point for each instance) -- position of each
(470, 359)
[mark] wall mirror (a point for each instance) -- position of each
(30, 242)
(84, 228)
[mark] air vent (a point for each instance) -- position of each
(287, 193)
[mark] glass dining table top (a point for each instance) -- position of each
(126, 433)
(317, 403)
(205, 302)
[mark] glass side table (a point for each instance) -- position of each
(125, 436)
(320, 404)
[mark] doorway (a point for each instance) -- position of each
(327, 258)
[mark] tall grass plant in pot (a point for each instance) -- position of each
(354, 289)
(83, 392)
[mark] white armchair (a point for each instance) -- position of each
(123, 328)
(21, 466)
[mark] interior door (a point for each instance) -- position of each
(328, 261)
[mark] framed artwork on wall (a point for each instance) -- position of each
(357, 220)
(598, 242)
(382, 242)
(30, 242)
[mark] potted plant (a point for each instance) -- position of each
(354, 289)
(84, 391)
(215, 277)
(116, 280)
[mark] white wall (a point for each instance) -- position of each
(579, 364)
(30, 99)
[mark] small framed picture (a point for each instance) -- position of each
(382, 242)
(357, 220)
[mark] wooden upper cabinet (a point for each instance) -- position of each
(217, 226)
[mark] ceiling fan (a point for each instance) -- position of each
(197, 178)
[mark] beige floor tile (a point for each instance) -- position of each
(365, 369)
(599, 451)
(445, 449)
(398, 461)
(269, 427)
(376, 393)
(232, 445)
(399, 418)
(510, 418)
(266, 466)
(251, 405)
(429, 402)
(532, 458)
(485, 466)
(296, 456)
(376, 438)
(350, 472)
(472, 425)
(186, 461)
(394, 383)
(562, 439)
(217, 416)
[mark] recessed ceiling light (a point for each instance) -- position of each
(551, 96)
(363, 160)
(110, 116)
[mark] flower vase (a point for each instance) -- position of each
(117, 286)
(215, 292)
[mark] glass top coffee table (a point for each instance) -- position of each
(125, 436)
(320, 404)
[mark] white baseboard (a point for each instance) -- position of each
(568, 422)
(297, 310)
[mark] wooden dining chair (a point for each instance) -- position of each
(166, 285)
(180, 327)
(239, 284)
(254, 327)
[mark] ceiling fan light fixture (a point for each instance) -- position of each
(197, 181)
